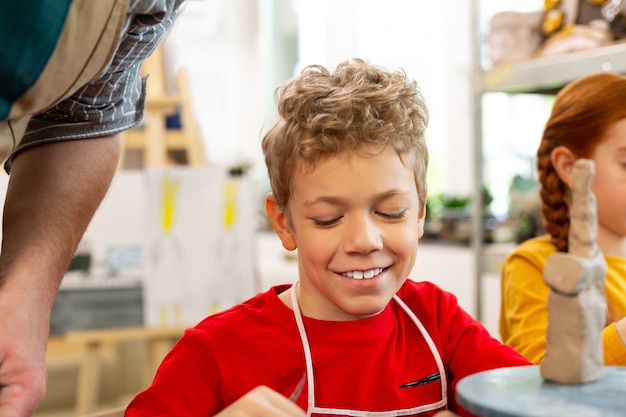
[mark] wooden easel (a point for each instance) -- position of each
(153, 144)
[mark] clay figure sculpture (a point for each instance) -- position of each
(576, 302)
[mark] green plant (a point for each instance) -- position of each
(454, 201)
(487, 197)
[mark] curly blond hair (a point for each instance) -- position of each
(359, 105)
(582, 112)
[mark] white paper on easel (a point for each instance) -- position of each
(199, 244)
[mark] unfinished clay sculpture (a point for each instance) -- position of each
(576, 303)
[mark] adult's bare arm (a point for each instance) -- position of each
(52, 195)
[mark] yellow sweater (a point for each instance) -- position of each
(523, 311)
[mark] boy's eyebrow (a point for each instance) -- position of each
(338, 201)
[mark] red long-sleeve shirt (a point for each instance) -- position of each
(366, 365)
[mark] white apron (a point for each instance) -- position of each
(312, 409)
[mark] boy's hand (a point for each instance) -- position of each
(262, 401)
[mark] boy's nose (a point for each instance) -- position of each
(363, 235)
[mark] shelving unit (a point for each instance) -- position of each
(547, 74)
(544, 75)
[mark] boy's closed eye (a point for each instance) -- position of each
(326, 222)
(393, 215)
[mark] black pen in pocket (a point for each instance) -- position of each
(430, 378)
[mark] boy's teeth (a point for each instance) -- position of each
(363, 274)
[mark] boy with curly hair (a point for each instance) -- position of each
(353, 336)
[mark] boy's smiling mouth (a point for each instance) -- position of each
(370, 273)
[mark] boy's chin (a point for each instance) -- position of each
(368, 309)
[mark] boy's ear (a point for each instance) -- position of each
(279, 223)
(563, 161)
(421, 218)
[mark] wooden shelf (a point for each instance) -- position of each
(547, 74)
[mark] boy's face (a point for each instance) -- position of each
(355, 221)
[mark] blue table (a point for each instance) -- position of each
(522, 392)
